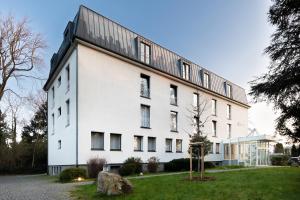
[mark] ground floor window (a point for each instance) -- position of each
(217, 148)
(211, 150)
(151, 144)
(138, 143)
(97, 141)
(168, 145)
(115, 142)
(178, 146)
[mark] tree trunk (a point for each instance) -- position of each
(202, 161)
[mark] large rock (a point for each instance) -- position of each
(112, 184)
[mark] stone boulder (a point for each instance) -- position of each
(112, 184)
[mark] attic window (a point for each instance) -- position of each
(145, 53)
(185, 71)
(206, 80)
(228, 90)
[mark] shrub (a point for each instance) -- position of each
(70, 174)
(280, 160)
(153, 164)
(127, 169)
(131, 166)
(183, 164)
(94, 166)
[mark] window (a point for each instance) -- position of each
(59, 81)
(178, 146)
(195, 100)
(214, 128)
(196, 124)
(59, 111)
(206, 80)
(151, 144)
(168, 145)
(138, 143)
(68, 77)
(173, 95)
(145, 53)
(185, 71)
(228, 90)
(59, 144)
(53, 123)
(214, 107)
(53, 97)
(97, 141)
(229, 130)
(228, 112)
(145, 86)
(68, 112)
(145, 116)
(115, 142)
(217, 148)
(211, 150)
(173, 121)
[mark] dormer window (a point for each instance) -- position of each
(185, 71)
(228, 90)
(206, 80)
(145, 53)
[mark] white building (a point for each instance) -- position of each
(114, 94)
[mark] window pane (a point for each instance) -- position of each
(195, 100)
(168, 145)
(217, 148)
(151, 144)
(173, 121)
(147, 55)
(229, 130)
(214, 128)
(138, 143)
(183, 71)
(214, 107)
(145, 116)
(228, 112)
(145, 86)
(142, 52)
(211, 150)
(173, 95)
(178, 145)
(115, 142)
(206, 80)
(97, 140)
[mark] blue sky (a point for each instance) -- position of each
(226, 37)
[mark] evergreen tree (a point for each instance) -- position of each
(294, 151)
(279, 148)
(281, 84)
(4, 131)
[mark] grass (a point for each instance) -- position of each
(257, 184)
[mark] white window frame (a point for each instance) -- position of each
(228, 111)
(59, 144)
(206, 80)
(173, 95)
(217, 148)
(145, 89)
(228, 90)
(145, 53)
(229, 130)
(68, 112)
(186, 71)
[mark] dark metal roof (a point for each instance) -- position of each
(103, 32)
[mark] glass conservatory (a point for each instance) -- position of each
(248, 151)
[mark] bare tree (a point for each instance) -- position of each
(20, 52)
(198, 120)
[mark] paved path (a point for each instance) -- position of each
(34, 187)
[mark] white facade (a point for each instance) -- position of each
(104, 96)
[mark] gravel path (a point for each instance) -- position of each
(34, 187)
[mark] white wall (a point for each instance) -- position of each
(109, 101)
(67, 134)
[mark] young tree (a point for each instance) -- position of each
(281, 85)
(294, 151)
(278, 148)
(198, 120)
(20, 52)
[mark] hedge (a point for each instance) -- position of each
(70, 174)
(183, 164)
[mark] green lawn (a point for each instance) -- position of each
(270, 183)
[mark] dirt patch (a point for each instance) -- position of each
(204, 179)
